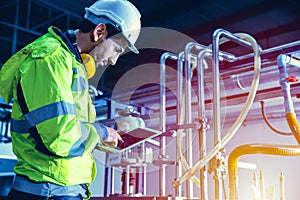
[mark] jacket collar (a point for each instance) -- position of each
(68, 39)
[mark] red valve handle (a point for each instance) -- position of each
(292, 79)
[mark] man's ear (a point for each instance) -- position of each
(99, 31)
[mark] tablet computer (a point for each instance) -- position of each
(131, 139)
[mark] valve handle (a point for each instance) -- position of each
(292, 79)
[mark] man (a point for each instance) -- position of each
(53, 124)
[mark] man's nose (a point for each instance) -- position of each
(112, 60)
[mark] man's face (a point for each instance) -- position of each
(108, 51)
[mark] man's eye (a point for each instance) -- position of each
(118, 49)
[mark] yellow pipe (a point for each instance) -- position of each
(262, 185)
(270, 149)
(282, 192)
(293, 124)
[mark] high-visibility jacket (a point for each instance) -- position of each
(53, 125)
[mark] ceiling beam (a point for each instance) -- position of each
(48, 4)
(20, 28)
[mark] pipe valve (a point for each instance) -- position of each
(291, 79)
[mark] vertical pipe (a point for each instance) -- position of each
(216, 104)
(163, 116)
(178, 169)
(28, 14)
(216, 86)
(108, 181)
(255, 180)
(188, 109)
(262, 185)
(144, 180)
(188, 120)
(283, 61)
(113, 180)
(15, 34)
(127, 179)
(285, 85)
(179, 143)
(216, 94)
(203, 128)
(282, 190)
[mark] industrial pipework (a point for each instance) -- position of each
(245, 40)
(270, 149)
(283, 61)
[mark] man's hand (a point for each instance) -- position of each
(113, 138)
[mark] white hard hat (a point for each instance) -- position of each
(122, 14)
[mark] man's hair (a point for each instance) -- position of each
(86, 26)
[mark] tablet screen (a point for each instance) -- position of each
(131, 139)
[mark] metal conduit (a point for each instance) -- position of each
(284, 61)
(219, 145)
(179, 108)
(188, 116)
(216, 74)
(204, 126)
(184, 111)
(186, 100)
(162, 140)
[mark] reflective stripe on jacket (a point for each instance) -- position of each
(55, 90)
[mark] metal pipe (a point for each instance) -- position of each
(203, 128)
(239, 120)
(283, 61)
(178, 116)
(216, 74)
(180, 107)
(144, 179)
(270, 149)
(271, 50)
(216, 90)
(162, 140)
(188, 106)
(188, 114)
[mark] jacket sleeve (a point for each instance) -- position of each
(56, 94)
